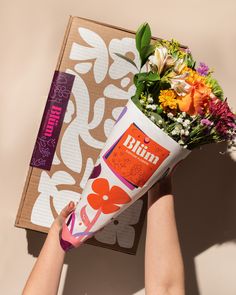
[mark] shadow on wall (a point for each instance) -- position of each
(204, 188)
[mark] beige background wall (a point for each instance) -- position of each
(31, 33)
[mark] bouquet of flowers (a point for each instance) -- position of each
(177, 107)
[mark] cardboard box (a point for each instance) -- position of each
(102, 85)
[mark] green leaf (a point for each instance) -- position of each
(135, 98)
(215, 86)
(148, 77)
(136, 101)
(142, 38)
(127, 59)
(145, 52)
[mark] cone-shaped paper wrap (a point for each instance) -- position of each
(137, 154)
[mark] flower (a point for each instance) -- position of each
(197, 100)
(152, 118)
(179, 65)
(105, 198)
(203, 69)
(161, 59)
(206, 122)
(179, 84)
(167, 99)
(224, 119)
(150, 99)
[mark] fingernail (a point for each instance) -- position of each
(71, 205)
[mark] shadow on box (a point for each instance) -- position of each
(205, 207)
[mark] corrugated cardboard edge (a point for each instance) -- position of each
(30, 170)
(120, 28)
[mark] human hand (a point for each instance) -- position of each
(164, 185)
(60, 219)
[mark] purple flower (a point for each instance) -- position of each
(203, 69)
(206, 122)
(187, 50)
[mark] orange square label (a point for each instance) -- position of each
(135, 156)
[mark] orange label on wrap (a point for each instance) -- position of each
(136, 156)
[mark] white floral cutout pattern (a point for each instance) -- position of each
(94, 58)
(121, 228)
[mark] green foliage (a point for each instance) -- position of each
(143, 39)
(143, 36)
(146, 77)
(190, 61)
(215, 86)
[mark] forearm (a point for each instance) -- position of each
(46, 273)
(164, 271)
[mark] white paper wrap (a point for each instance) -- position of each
(137, 154)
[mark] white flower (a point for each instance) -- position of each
(154, 107)
(186, 132)
(182, 131)
(159, 121)
(179, 84)
(161, 58)
(183, 114)
(142, 101)
(148, 106)
(179, 65)
(186, 123)
(152, 118)
(181, 141)
(152, 59)
(170, 115)
(173, 132)
(179, 120)
(150, 99)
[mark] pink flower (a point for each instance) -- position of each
(225, 120)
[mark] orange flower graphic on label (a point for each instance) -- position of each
(106, 199)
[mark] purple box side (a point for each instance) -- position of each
(52, 120)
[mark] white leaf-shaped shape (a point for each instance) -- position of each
(79, 128)
(112, 91)
(41, 212)
(124, 82)
(63, 197)
(107, 235)
(98, 51)
(116, 112)
(108, 125)
(120, 67)
(83, 68)
(55, 160)
(87, 172)
(69, 112)
(120, 229)
(125, 236)
(99, 110)
(131, 214)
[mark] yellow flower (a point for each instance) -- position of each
(193, 76)
(168, 101)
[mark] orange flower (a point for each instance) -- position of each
(105, 198)
(196, 100)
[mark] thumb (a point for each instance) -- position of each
(67, 210)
